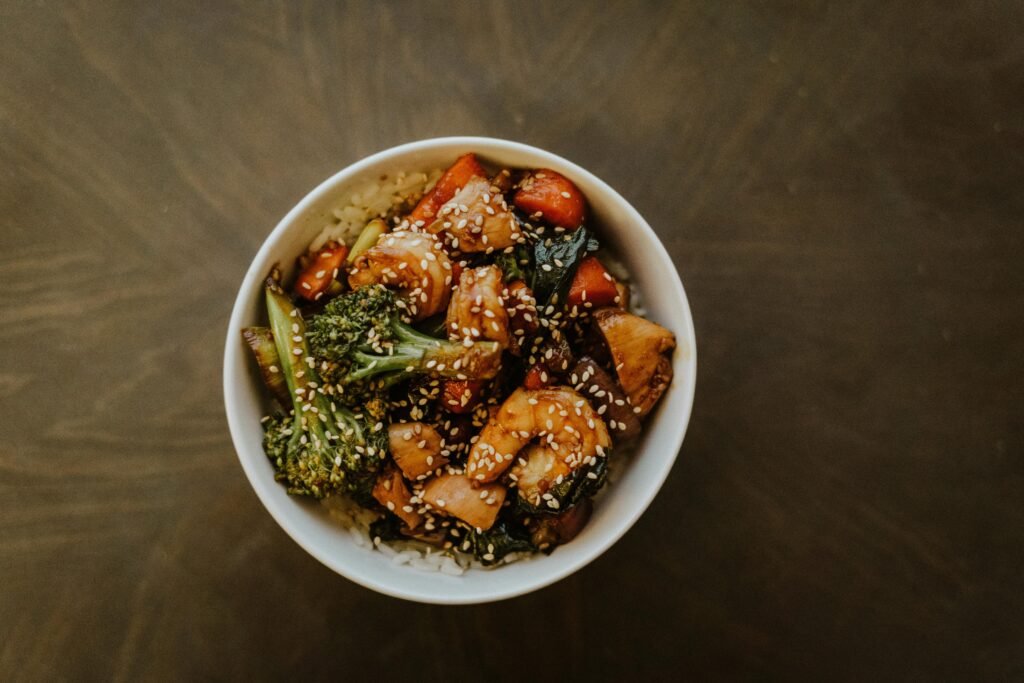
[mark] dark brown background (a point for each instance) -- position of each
(839, 185)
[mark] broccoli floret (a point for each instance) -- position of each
(362, 337)
(320, 447)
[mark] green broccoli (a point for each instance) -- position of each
(362, 337)
(320, 447)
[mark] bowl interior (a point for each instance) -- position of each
(619, 226)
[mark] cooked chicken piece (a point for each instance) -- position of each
(415, 448)
(638, 348)
(475, 504)
(392, 492)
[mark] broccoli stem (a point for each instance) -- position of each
(293, 350)
(417, 353)
(368, 364)
(361, 333)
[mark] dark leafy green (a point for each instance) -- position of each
(387, 528)
(572, 490)
(555, 262)
(501, 539)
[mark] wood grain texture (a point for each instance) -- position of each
(840, 186)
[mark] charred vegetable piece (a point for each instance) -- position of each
(367, 238)
(522, 315)
(320, 272)
(455, 494)
(392, 492)
(261, 342)
(557, 357)
(458, 174)
(602, 389)
(387, 528)
(638, 348)
(592, 286)
(548, 531)
(537, 377)
(362, 334)
(461, 396)
(553, 197)
(416, 448)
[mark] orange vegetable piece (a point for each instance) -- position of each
(323, 267)
(592, 284)
(554, 197)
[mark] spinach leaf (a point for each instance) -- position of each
(501, 539)
(555, 262)
(387, 528)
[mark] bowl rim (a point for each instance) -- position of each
(254, 275)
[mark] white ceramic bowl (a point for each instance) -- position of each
(618, 225)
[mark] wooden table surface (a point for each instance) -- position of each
(841, 187)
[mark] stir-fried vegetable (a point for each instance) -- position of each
(553, 197)
(261, 342)
(555, 262)
(367, 238)
(592, 285)
(321, 271)
(320, 448)
(362, 336)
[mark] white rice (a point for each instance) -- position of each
(372, 200)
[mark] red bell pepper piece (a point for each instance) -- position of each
(461, 395)
(537, 378)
